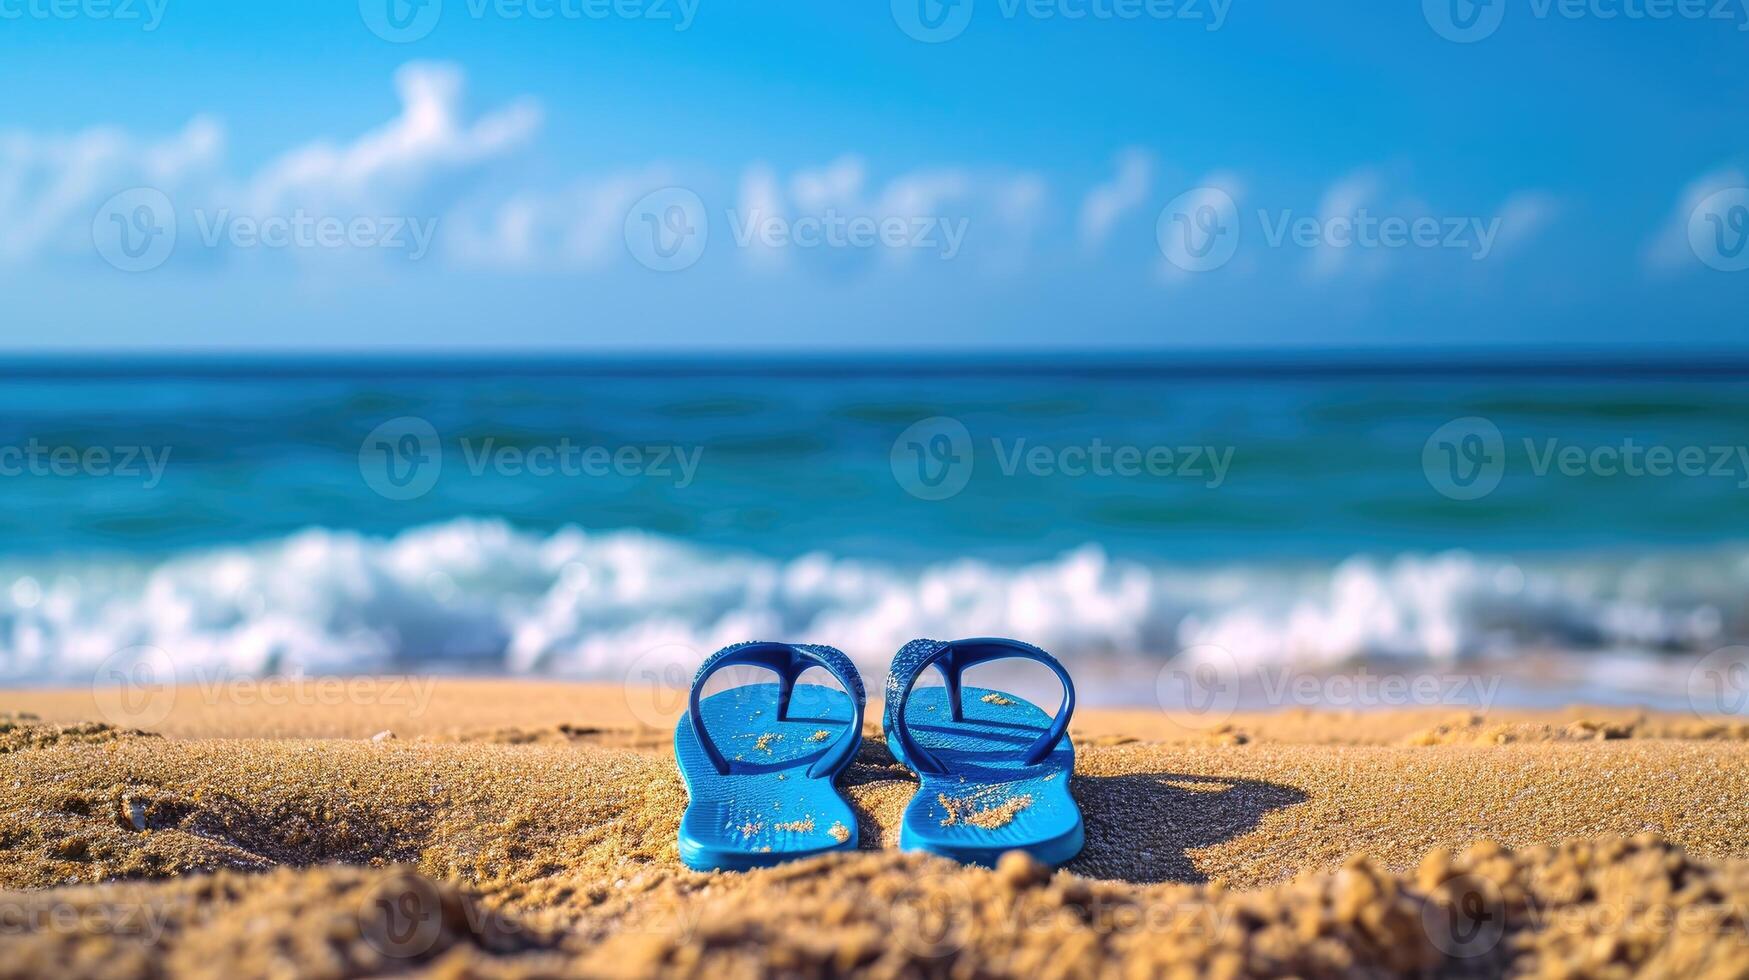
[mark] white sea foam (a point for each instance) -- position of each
(480, 595)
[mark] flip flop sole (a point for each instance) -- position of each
(767, 809)
(989, 801)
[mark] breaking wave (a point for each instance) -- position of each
(481, 596)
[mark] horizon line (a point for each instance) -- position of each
(1592, 361)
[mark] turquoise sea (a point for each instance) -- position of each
(561, 516)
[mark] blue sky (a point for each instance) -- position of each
(659, 174)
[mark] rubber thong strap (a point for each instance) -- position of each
(951, 659)
(788, 661)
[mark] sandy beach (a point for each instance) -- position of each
(519, 829)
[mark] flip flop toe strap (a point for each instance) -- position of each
(951, 659)
(788, 661)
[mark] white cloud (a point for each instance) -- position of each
(1001, 210)
(1017, 212)
(582, 226)
(838, 183)
(578, 227)
(1108, 202)
(842, 186)
(426, 140)
(51, 185)
(760, 196)
(1523, 216)
(1352, 228)
(432, 160)
(1668, 250)
(1345, 199)
(432, 163)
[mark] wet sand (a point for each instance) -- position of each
(512, 828)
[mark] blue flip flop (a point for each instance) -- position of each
(759, 760)
(994, 767)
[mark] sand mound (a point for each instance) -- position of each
(1593, 908)
(20, 732)
(332, 922)
(1589, 907)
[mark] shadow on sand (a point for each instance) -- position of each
(1141, 827)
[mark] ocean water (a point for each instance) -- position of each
(567, 518)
